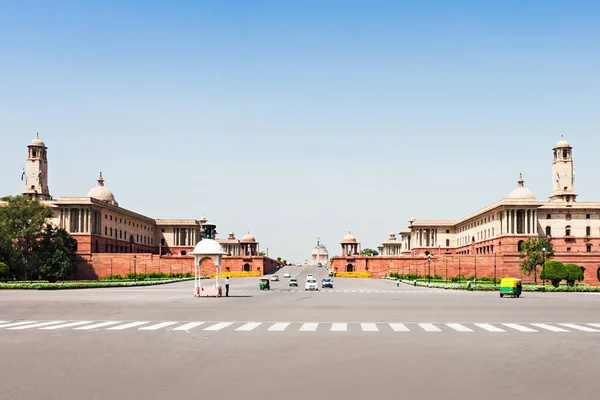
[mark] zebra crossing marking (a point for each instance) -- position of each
(397, 327)
(188, 326)
(156, 326)
(550, 328)
(339, 327)
(580, 328)
(369, 327)
(279, 327)
(127, 326)
(460, 328)
(520, 328)
(309, 327)
(490, 328)
(68, 325)
(430, 328)
(99, 325)
(218, 326)
(38, 325)
(249, 326)
(17, 323)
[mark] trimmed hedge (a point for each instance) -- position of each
(491, 288)
(82, 285)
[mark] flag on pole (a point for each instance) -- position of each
(23, 174)
(557, 177)
(39, 175)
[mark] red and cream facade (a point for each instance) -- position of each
(491, 237)
(106, 231)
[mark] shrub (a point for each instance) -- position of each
(573, 273)
(554, 271)
(3, 272)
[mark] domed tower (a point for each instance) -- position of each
(563, 175)
(36, 171)
(101, 192)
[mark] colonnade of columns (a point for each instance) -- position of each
(350, 249)
(519, 221)
(77, 219)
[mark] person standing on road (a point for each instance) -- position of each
(227, 287)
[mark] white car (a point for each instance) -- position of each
(274, 278)
(287, 275)
(311, 284)
(309, 276)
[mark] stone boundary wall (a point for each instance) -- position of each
(507, 265)
(102, 265)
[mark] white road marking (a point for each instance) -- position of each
(520, 328)
(580, 328)
(127, 326)
(551, 328)
(188, 326)
(459, 328)
(249, 326)
(490, 328)
(339, 327)
(98, 325)
(17, 323)
(279, 327)
(68, 325)
(399, 328)
(309, 327)
(218, 327)
(595, 325)
(369, 327)
(157, 326)
(38, 325)
(430, 328)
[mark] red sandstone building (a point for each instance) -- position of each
(114, 240)
(487, 242)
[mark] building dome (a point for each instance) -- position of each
(37, 142)
(521, 192)
(349, 238)
(208, 247)
(248, 238)
(320, 249)
(562, 143)
(101, 192)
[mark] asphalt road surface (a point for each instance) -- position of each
(361, 339)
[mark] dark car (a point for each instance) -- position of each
(293, 282)
(327, 283)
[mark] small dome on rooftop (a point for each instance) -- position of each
(521, 192)
(103, 193)
(562, 143)
(37, 142)
(248, 238)
(349, 238)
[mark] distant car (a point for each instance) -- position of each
(309, 276)
(327, 282)
(293, 282)
(274, 278)
(311, 284)
(287, 275)
(298, 265)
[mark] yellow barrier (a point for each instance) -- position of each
(353, 275)
(237, 274)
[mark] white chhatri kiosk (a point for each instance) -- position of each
(207, 248)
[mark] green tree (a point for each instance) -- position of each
(54, 254)
(554, 271)
(573, 273)
(22, 223)
(369, 252)
(532, 255)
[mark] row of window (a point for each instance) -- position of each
(568, 216)
(476, 223)
(123, 235)
(135, 224)
(111, 248)
(588, 231)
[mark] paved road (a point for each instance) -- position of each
(363, 339)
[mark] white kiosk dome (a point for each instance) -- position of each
(208, 247)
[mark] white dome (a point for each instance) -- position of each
(208, 247)
(248, 238)
(562, 143)
(521, 192)
(37, 142)
(320, 249)
(103, 193)
(349, 238)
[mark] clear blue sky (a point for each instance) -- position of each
(297, 120)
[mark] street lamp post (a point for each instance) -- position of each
(543, 262)
(494, 269)
(446, 270)
(428, 269)
(134, 268)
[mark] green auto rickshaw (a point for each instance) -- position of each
(265, 284)
(510, 287)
